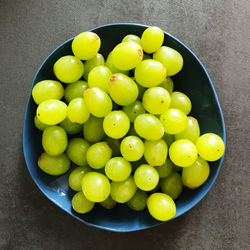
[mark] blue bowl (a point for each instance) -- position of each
(192, 80)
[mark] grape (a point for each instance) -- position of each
(150, 73)
(123, 191)
(170, 58)
(116, 124)
(156, 100)
(137, 164)
(75, 90)
(166, 169)
(108, 203)
(122, 89)
(47, 89)
(97, 101)
(114, 145)
(174, 121)
(68, 69)
(192, 132)
(127, 55)
(177, 168)
(146, 56)
(80, 204)
(161, 206)
(93, 130)
(183, 153)
(70, 127)
(152, 39)
(155, 152)
(169, 139)
(75, 177)
(99, 77)
(132, 38)
(168, 84)
(146, 177)
(131, 131)
(86, 45)
(148, 127)
(141, 92)
(132, 148)
(76, 151)
(98, 155)
(51, 112)
(39, 125)
(77, 111)
(133, 110)
(54, 140)
(181, 101)
(210, 147)
(118, 169)
(139, 201)
(53, 165)
(195, 175)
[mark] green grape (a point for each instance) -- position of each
(116, 124)
(132, 148)
(161, 206)
(137, 164)
(76, 151)
(152, 38)
(80, 204)
(47, 89)
(183, 153)
(148, 127)
(99, 77)
(98, 155)
(51, 112)
(68, 69)
(168, 84)
(181, 101)
(77, 111)
(155, 152)
(131, 131)
(53, 165)
(132, 38)
(39, 125)
(70, 127)
(75, 177)
(174, 121)
(123, 191)
(177, 168)
(109, 203)
(97, 101)
(150, 73)
(192, 132)
(54, 140)
(93, 130)
(210, 147)
(118, 169)
(169, 139)
(146, 56)
(141, 91)
(146, 177)
(114, 145)
(86, 45)
(170, 58)
(75, 90)
(166, 169)
(139, 201)
(122, 89)
(95, 186)
(133, 110)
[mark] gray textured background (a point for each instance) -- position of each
(218, 31)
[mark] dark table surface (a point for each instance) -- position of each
(217, 31)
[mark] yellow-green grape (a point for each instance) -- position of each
(54, 140)
(76, 151)
(146, 177)
(152, 38)
(169, 139)
(192, 132)
(109, 203)
(132, 131)
(132, 148)
(86, 45)
(150, 73)
(75, 90)
(133, 110)
(132, 38)
(155, 152)
(174, 121)
(118, 169)
(156, 100)
(210, 147)
(52, 112)
(75, 177)
(116, 124)
(53, 165)
(122, 89)
(177, 168)
(168, 84)
(148, 127)
(137, 164)
(170, 58)
(77, 111)
(127, 55)
(139, 201)
(123, 191)
(141, 91)
(183, 153)
(47, 89)
(68, 69)
(166, 169)
(114, 145)
(98, 155)
(39, 125)
(80, 204)
(70, 127)
(181, 101)
(97, 101)
(161, 206)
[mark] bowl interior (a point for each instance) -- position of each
(192, 80)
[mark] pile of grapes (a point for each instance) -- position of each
(123, 126)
